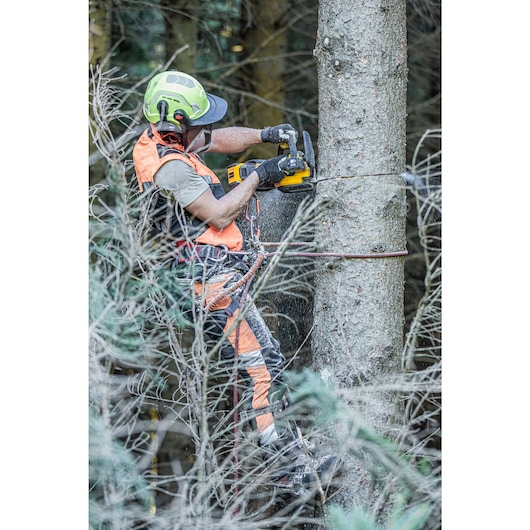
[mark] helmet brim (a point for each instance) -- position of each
(216, 112)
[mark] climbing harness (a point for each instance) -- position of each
(256, 250)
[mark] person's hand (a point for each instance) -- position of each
(272, 171)
(278, 133)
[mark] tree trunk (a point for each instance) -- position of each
(100, 23)
(181, 30)
(357, 339)
(266, 41)
(99, 30)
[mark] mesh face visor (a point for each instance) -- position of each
(198, 138)
(171, 137)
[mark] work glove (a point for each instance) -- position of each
(278, 133)
(272, 171)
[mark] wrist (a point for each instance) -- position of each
(264, 134)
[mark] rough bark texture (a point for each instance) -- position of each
(358, 306)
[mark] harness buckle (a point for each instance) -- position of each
(187, 252)
(221, 251)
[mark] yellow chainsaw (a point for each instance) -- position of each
(301, 166)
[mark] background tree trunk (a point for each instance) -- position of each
(99, 43)
(357, 340)
(180, 21)
(99, 30)
(265, 42)
(264, 34)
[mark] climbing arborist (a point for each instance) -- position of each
(194, 220)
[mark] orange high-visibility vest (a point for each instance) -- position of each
(149, 154)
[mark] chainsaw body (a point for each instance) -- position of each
(301, 167)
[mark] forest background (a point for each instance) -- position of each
(56, 344)
(260, 56)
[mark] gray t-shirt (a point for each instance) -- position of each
(179, 180)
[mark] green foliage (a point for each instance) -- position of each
(112, 468)
(414, 496)
(129, 315)
(358, 518)
(136, 32)
(218, 34)
(412, 519)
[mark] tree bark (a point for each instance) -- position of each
(358, 306)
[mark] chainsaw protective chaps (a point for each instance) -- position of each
(250, 342)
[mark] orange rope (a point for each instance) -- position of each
(251, 272)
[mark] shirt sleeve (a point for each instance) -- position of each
(179, 180)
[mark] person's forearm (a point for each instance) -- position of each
(219, 213)
(234, 202)
(234, 139)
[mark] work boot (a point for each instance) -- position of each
(295, 469)
(309, 473)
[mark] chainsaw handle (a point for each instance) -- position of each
(290, 144)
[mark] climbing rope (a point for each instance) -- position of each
(235, 389)
(242, 281)
(262, 255)
(344, 255)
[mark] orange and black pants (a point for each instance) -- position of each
(259, 359)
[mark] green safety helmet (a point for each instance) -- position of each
(174, 101)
